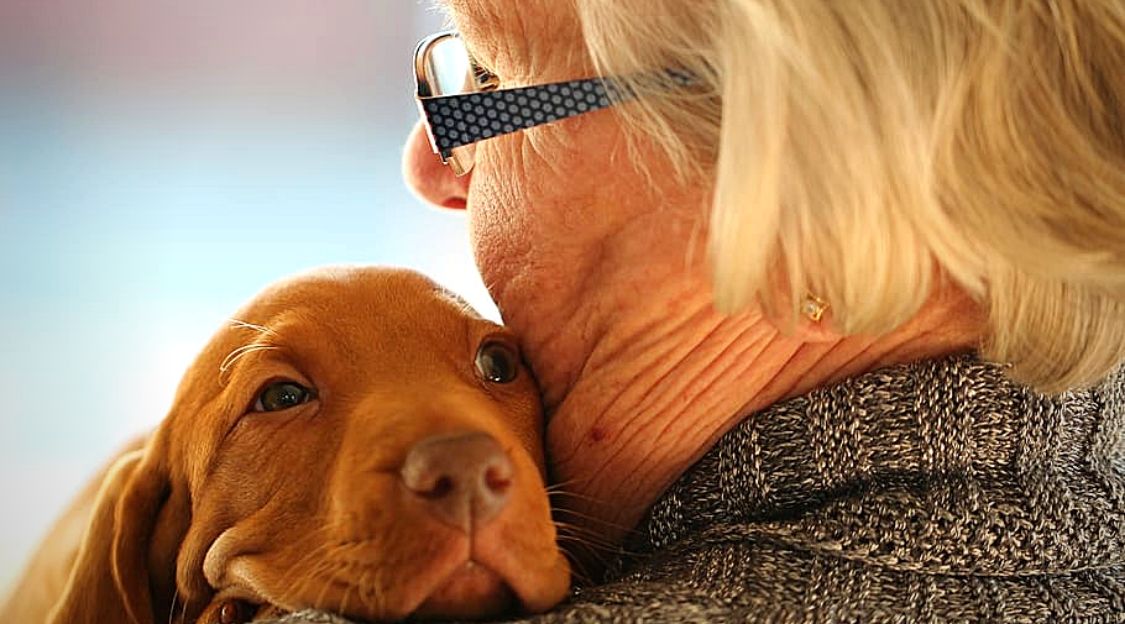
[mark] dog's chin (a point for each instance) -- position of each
(485, 577)
(472, 591)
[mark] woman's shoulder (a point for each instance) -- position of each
(736, 575)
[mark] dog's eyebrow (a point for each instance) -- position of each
(260, 344)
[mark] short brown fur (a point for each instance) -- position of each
(304, 507)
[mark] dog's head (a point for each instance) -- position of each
(358, 441)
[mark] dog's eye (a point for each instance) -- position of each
(497, 362)
(235, 612)
(282, 395)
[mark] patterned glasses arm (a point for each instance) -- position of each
(456, 120)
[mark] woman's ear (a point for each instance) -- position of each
(125, 569)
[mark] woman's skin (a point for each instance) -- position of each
(604, 278)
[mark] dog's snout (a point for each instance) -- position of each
(464, 479)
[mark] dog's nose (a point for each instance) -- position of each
(464, 479)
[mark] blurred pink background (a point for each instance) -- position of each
(159, 163)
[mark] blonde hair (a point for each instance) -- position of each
(865, 150)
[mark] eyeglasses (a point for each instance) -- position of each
(461, 103)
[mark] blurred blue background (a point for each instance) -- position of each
(162, 161)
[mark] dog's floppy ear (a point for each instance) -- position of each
(125, 570)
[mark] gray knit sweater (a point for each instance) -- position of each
(932, 492)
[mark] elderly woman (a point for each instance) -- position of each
(827, 300)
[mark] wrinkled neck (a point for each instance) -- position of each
(637, 395)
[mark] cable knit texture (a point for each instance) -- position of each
(937, 491)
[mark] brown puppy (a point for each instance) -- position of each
(358, 441)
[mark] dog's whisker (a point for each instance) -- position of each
(573, 495)
(591, 519)
(600, 546)
(574, 539)
(261, 329)
(575, 572)
(577, 575)
(344, 602)
(299, 582)
(562, 484)
(238, 353)
(571, 530)
(616, 551)
(573, 533)
(183, 611)
(303, 581)
(588, 542)
(588, 539)
(329, 577)
(582, 552)
(320, 565)
(361, 591)
(371, 594)
(172, 607)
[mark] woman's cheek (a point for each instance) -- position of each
(499, 213)
(543, 201)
